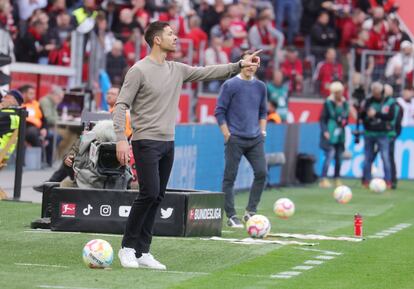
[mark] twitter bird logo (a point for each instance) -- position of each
(165, 214)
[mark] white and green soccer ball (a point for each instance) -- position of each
(377, 185)
(284, 208)
(258, 226)
(342, 194)
(98, 253)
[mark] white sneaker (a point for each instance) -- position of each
(148, 261)
(127, 258)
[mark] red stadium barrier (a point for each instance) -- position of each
(301, 110)
(184, 109)
(42, 83)
(305, 110)
(206, 105)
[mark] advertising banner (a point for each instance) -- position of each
(181, 213)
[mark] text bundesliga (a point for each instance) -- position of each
(205, 214)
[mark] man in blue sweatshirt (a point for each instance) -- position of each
(241, 113)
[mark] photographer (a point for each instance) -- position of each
(333, 120)
(377, 113)
(395, 131)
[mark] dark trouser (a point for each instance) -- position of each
(384, 146)
(154, 160)
(335, 151)
(33, 136)
(61, 173)
(392, 162)
(253, 150)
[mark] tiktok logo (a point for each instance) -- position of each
(87, 210)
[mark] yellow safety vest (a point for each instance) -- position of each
(4, 139)
(81, 14)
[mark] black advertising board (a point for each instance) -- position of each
(181, 213)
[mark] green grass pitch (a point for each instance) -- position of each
(31, 259)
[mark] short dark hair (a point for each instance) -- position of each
(25, 88)
(154, 29)
(245, 53)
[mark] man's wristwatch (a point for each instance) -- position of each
(240, 64)
(264, 133)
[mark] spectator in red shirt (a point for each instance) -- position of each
(293, 70)
(141, 15)
(197, 35)
(351, 27)
(130, 51)
(176, 21)
(378, 37)
(328, 71)
(237, 27)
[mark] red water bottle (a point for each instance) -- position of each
(358, 225)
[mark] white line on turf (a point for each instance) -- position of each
(40, 265)
(390, 231)
(182, 272)
(302, 267)
(290, 273)
(280, 276)
(324, 257)
(313, 262)
(64, 287)
(321, 251)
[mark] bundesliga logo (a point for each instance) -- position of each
(68, 210)
(205, 214)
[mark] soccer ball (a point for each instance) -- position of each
(342, 194)
(377, 185)
(284, 208)
(98, 253)
(258, 226)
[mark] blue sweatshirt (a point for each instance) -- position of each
(241, 104)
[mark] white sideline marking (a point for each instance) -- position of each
(280, 276)
(290, 273)
(390, 231)
(302, 267)
(40, 265)
(376, 237)
(64, 287)
(182, 272)
(313, 262)
(322, 251)
(324, 257)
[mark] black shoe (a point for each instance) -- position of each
(234, 222)
(394, 186)
(42, 223)
(247, 216)
(39, 188)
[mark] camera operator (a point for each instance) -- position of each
(377, 113)
(333, 120)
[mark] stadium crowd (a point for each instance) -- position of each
(306, 39)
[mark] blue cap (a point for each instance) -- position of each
(17, 95)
